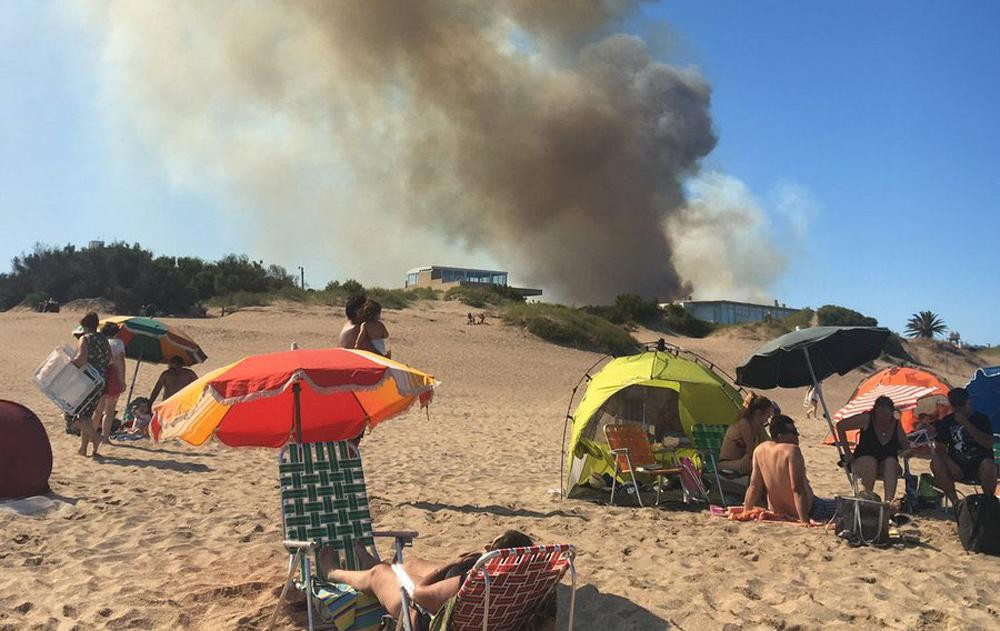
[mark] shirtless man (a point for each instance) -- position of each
(173, 379)
(349, 332)
(780, 470)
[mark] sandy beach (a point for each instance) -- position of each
(162, 536)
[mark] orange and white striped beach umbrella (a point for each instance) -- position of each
(300, 395)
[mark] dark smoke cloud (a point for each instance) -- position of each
(523, 128)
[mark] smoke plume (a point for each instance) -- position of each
(377, 131)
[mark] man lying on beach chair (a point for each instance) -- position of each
(780, 470)
(511, 586)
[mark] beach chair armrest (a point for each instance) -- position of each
(298, 545)
(407, 536)
(620, 450)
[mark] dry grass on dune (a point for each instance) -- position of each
(169, 536)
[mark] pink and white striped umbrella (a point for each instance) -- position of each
(904, 398)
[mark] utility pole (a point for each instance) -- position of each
(302, 277)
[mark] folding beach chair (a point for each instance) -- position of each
(633, 454)
(506, 587)
(324, 505)
(707, 440)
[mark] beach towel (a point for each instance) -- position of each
(758, 514)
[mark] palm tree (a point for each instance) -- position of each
(925, 324)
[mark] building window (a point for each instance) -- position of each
(411, 279)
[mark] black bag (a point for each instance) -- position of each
(862, 520)
(979, 524)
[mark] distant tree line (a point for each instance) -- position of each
(132, 278)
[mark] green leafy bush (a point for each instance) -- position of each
(801, 318)
(479, 296)
(570, 327)
(833, 315)
(680, 321)
(241, 300)
(628, 309)
(424, 293)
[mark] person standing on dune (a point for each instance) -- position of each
(349, 332)
(372, 334)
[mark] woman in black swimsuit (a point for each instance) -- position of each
(430, 585)
(880, 442)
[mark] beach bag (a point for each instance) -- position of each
(979, 524)
(862, 520)
(928, 496)
(339, 604)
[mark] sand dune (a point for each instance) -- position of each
(169, 536)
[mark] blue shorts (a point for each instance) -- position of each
(823, 509)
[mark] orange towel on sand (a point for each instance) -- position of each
(736, 513)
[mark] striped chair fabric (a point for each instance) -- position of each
(324, 499)
(519, 579)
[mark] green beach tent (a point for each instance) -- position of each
(667, 391)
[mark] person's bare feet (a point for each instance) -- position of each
(365, 560)
(327, 563)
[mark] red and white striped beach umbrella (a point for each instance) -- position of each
(903, 397)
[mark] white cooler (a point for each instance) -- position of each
(69, 387)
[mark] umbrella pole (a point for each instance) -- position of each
(135, 375)
(297, 411)
(829, 421)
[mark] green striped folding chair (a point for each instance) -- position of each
(707, 441)
(324, 505)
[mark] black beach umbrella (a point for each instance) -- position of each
(808, 356)
(805, 357)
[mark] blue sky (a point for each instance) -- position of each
(884, 112)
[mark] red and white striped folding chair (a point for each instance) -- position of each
(506, 586)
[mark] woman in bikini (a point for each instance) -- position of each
(372, 334)
(429, 585)
(880, 442)
(743, 436)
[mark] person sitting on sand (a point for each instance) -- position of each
(372, 334)
(881, 441)
(142, 415)
(780, 471)
(745, 434)
(349, 332)
(429, 585)
(173, 379)
(963, 448)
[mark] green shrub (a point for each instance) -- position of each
(32, 299)
(292, 294)
(423, 293)
(833, 315)
(390, 298)
(630, 309)
(801, 318)
(241, 300)
(680, 321)
(479, 296)
(570, 327)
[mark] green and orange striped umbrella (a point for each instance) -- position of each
(152, 341)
